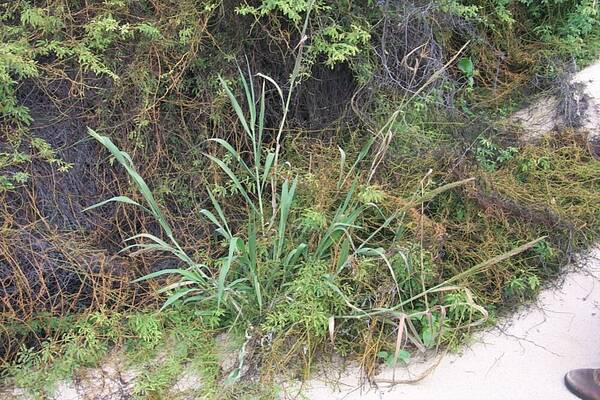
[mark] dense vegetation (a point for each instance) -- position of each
(310, 176)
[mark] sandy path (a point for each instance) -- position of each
(525, 358)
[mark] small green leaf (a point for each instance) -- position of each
(465, 65)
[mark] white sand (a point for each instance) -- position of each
(542, 116)
(525, 358)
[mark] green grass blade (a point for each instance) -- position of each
(118, 199)
(236, 106)
(343, 256)
(231, 150)
(176, 296)
(198, 299)
(261, 127)
(342, 167)
(167, 247)
(235, 180)
(124, 159)
(338, 227)
(287, 197)
(187, 274)
(249, 92)
(253, 261)
(225, 268)
(294, 255)
(347, 200)
(219, 210)
(220, 228)
(267, 168)
(363, 153)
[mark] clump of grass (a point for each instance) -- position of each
(309, 282)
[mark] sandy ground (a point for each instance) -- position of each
(543, 115)
(525, 357)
